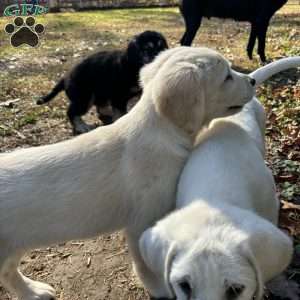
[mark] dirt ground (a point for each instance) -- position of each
(101, 268)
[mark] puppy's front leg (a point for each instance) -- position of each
(23, 287)
(145, 275)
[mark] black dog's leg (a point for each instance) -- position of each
(252, 39)
(103, 106)
(81, 101)
(75, 112)
(261, 36)
(77, 108)
(192, 26)
(103, 115)
(119, 107)
(192, 18)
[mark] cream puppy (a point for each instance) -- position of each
(223, 242)
(119, 176)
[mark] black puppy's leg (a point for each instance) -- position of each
(261, 36)
(80, 102)
(105, 114)
(119, 108)
(251, 41)
(75, 112)
(104, 110)
(118, 113)
(191, 13)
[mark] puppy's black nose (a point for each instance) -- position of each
(252, 81)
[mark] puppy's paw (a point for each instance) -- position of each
(106, 120)
(36, 290)
(81, 127)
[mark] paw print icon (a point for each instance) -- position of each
(24, 31)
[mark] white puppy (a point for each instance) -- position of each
(222, 243)
(118, 176)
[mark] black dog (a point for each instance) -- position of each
(257, 12)
(107, 78)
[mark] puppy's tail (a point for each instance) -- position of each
(265, 72)
(60, 86)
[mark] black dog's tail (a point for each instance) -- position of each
(60, 86)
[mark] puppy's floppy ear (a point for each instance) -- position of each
(133, 54)
(269, 252)
(149, 71)
(178, 92)
(158, 254)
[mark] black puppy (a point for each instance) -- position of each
(107, 78)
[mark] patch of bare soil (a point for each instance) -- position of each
(94, 269)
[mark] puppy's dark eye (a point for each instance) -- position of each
(234, 291)
(186, 288)
(228, 77)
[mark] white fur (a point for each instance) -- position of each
(224, 233)
(118, 176)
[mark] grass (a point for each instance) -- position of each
(111, 25)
